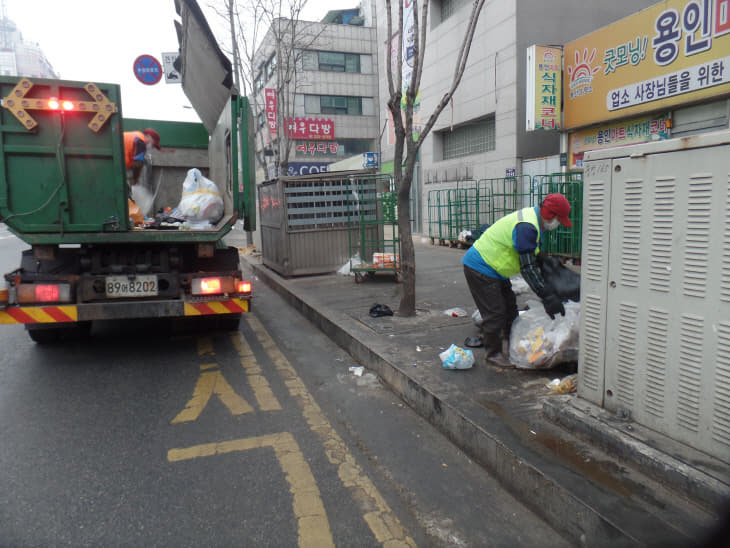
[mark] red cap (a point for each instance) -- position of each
(556, 205)
(155, 137)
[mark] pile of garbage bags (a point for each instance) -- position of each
(201, 205)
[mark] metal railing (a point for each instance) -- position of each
(469, 205)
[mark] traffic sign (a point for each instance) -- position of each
(172, 75)
(147, 69)
(370, 159)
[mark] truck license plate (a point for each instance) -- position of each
(140, 286)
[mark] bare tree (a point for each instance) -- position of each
(406, 142)
(262, 27)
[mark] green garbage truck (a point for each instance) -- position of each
(64, 190)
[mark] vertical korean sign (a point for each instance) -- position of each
(544, 87)
(270, 95)
(672, 53)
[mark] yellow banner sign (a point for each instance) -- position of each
(544, 64)
(675, 52)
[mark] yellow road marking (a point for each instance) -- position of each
(377, 514)
(313, 525)
(209, 383)
(261, 389)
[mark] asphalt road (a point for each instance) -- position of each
(143, 436)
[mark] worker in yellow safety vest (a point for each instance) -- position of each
(508, 247)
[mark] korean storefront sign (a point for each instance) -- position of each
(674, 52)
(311, 128)
(628, 132)
(544, 65)
(270, 95)
(317, 147)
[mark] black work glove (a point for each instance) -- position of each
(553, 304)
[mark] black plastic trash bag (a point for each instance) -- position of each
(562, 280)
(378, 310)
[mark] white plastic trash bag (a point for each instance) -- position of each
(346, 269)
(537, 342)
(200, 200)
(456, 358)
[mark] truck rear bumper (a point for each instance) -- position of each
(119, 311)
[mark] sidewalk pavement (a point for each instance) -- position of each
(597, 479)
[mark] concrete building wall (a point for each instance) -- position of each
(332, 37)
(493, 85)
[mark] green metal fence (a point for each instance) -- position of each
(472, 204)
(506, 195)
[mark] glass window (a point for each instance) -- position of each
(309, 60)
(333, 61)
(336, 104)
(352, 62)
(469, 139)
(271, 67)
(450, 7)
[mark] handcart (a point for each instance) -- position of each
(373, 227)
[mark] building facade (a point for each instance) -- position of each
(329, 110)
(482, 134)
(20, 58)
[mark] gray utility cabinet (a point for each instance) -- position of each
(655, 287)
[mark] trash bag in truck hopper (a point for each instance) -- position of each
(200, 200)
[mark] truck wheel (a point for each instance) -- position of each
(51, 333)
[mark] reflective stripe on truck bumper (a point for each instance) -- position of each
(232, 306)
(119, 311)
(38, 314)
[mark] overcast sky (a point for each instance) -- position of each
(99, 41)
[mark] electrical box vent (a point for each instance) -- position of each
(628, 327)
(725, 282)
(699, 209)
(631, 234)
(593, 246)
(721, 410)
(691, 332)
(656, 361)
(591, 335)
(660, 269)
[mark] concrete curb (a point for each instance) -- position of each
(546, 496)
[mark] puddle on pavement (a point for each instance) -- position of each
(598, 471)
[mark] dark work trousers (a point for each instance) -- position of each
(496, 303)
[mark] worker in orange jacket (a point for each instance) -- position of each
(135, 147)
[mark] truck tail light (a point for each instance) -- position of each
(213, 285)
(244, 287)
(44, 293)
(210, 286)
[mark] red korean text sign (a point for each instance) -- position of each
(271, 109)
(319, 129)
